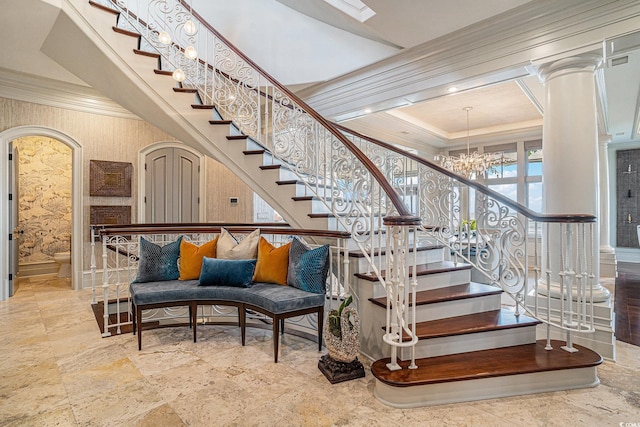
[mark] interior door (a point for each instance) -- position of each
(14, 230)
(172, 186)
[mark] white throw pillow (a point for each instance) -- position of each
(229, 248)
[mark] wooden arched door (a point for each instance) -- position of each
(172, 186)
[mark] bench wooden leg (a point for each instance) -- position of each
(320, 326)
(276, 337)
(193, 317)
(242, 319)
(134, 318)
(139, 319)
(281, 326)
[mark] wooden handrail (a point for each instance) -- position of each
(125, 229)
(568, 218)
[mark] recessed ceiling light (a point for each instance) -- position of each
(367, 111)
(453, 89)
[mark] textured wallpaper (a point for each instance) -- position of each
(45, 198)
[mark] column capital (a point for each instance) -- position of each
(584, 63)
(604, 139)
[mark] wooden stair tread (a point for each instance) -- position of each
(423, 269)
(497, 362)
(304, 198)
(163, 72)
(202, 106)
(253, 152)
(146, 53)
(449, 293)
(220, 122)
(269, 167)
(485, 321)
(359, 254)
(236, 137)
(289, 182)
(185, 90)
(104, 8)
(126, 32)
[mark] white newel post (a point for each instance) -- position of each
(570, 174)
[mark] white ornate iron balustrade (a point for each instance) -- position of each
(499, 237)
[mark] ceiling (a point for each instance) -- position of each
(316, 26)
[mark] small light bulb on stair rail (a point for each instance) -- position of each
(178, 75)
(164, 37)
(190, 27)
(191, 52)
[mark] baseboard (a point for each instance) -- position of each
(38, 268)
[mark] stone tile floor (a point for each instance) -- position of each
(56, 370)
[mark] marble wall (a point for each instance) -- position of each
(44, 177)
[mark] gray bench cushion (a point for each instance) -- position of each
(275, 299)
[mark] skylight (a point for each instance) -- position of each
(354, 8)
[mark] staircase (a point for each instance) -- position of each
(470, 346)
(450, 339)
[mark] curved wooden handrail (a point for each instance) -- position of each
(402, 210)
(568, 218)
(126, 229)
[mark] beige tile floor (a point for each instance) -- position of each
(56, 370)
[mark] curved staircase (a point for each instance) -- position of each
(410, 282)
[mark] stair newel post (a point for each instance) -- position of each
(592, 276)
(400, 262)
(118, 281)
(569, 278)
(105, 289)
(394, 335)
(414, 286)
(548, 291)
(93, 265)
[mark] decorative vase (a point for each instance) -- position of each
(344, 349)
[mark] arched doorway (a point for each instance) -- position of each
(77, 230)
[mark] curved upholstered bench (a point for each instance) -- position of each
(269, 271)
(276, 301)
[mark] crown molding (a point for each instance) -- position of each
(56, 93)
(481, 54)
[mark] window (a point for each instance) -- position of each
(503, 178)
(519, 176)
(533, 179)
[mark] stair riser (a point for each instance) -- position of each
(488, 388)
(443, 310)
(601, 312)
(423, 257)
(472, 342)
(430, 281)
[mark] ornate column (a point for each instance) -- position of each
(570, 173)
(607, 252)
(570, 149)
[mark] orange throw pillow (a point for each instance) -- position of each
(273, 263)
(191, 258)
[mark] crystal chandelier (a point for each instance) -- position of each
(470, 165)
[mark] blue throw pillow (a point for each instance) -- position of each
(158, 263)
(227, 272)
(308, 267)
